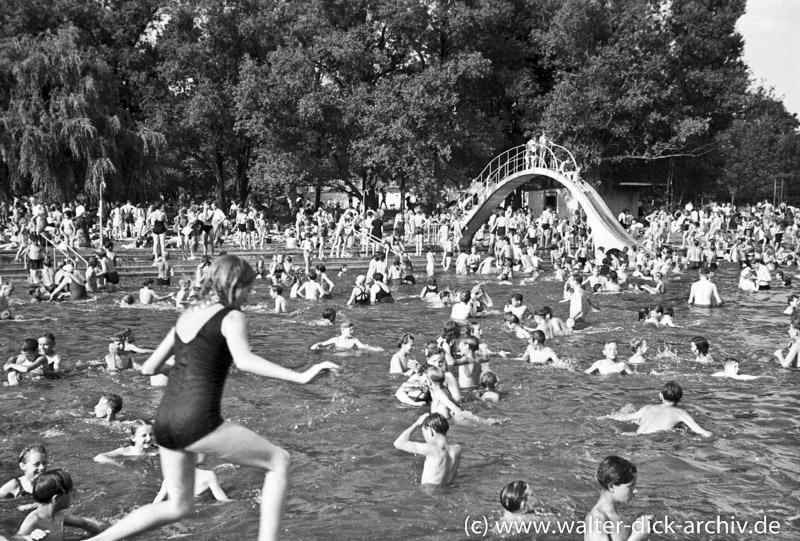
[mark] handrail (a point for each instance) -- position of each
(370, 237)
(516, 160)
(66, 253)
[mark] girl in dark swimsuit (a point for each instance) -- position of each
(32, 461)
(206, 340)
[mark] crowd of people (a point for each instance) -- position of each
(211, 334)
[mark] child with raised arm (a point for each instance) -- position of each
(117, 358)
(107, 407)
(791, 357)
(206, 340)
(345, 340)
(51, 491)
(469, 367)
(617, 476)
(441, 458)
(664, 416)
(276, 292)
(32, 462)
(609, 365)
(140, 445)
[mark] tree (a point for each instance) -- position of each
(61, 133)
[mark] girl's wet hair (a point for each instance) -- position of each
(636, 343)
(224, 280)
(136, 425)
(405, 339)
(701, 344)
(51, 483)
(512, 497)
(644, 313)
(488, 380)
(537, 336)
(23, 455)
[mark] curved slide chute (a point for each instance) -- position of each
(515, 167)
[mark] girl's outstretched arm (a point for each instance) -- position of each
(234, 328)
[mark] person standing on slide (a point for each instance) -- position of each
(206, 339)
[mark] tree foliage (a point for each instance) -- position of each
(257, 97)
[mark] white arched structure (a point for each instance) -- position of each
(518, 165)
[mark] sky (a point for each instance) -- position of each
(771, 31)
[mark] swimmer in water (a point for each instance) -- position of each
(52, 492)
(731, 370)
(537, 352)
(107, 407)
(700, 349)
(32, 462)
(617, 476)
(638, 348)
(441, 458)
(609, 365)
(791, 357)
(401, 362)
(512, 325)
(29, 361)
(518, 509)
(141, 444)
(117, 358)
(664, 416)
(345, 340)
(488, 391)
(704, 291)
(276, 292)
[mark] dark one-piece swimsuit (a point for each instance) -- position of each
(190, 409)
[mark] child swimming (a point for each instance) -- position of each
(345, 340)
(32, 462)
(401, 362)
(700, 349)
(617, 477)
(52, 492)
(664, 416)
(609, 365)
(140, 445)
(638, 348)
(107, 407)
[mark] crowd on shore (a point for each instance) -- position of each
(514, 245)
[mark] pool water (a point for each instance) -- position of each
(348, 482)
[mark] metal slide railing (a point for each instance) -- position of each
(521, 159)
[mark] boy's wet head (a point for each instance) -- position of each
(436, 423)
(672, 392)
(610, 350)
(514, 496)
(51, 483)
(615, 471)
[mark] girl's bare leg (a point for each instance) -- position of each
(178, 470)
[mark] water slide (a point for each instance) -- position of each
(514, 168)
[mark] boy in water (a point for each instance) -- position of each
(664, 416)
(441, 459)
(51, 491)
(276, 292)
(27, 362)
(609, 365)
(108, 407)
(147, 295)
(47, 347)
(118, 358)
(345, 340)
(617, 476)
(704, 291)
